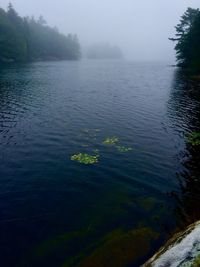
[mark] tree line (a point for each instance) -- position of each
(25, 39)
(104, 51)
(187, 40)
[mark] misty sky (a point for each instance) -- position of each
(140, 27)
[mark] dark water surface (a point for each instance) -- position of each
(57, 212)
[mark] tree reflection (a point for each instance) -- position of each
(184, 109)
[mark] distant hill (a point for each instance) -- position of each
(103, 51)
(28, 39)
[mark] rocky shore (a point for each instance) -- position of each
(182, 250)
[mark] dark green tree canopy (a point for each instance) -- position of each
(27, 39)
(188, 40)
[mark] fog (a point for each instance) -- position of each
(140, 27)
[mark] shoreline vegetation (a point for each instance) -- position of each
(26, 39)
(183, 248)
(187, 40)
(29, 40)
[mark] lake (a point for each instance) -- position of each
(55, 211)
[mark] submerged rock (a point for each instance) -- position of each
(182, 250)
(121, 248)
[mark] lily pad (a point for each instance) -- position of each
(84, 158)
(194, 138)
(124, 149)
(111, 140)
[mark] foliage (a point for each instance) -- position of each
(194, 138)
(111, 140)
(85, 158)
(124, 149)
(188, 39)
(24, 39)
(196, 262)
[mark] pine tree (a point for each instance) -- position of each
(188, 40)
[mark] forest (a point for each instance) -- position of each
(100, 157)
(187, 40)
(24, 39)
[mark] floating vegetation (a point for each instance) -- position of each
(124, 149)
(111, 140)
(194, 138)
(84, 158)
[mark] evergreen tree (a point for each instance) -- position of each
(25, 39)
(188, 40)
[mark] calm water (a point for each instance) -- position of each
(57, 212)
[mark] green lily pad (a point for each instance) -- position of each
(111, 140)
(84, 158)
(124, 149)
(194, 138)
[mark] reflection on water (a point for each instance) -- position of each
(185, 103)
(57, 212)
